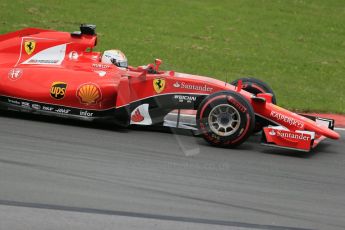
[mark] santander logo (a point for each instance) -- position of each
(272, 133)
(191, 86)
(289, 135)
(177, 85)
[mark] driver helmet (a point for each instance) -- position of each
(115, 57)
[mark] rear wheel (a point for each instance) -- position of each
(256, 86)
(225, 119)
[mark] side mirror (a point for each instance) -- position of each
(158, 62)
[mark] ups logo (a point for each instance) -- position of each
(58, 90)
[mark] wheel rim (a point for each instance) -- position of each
(224, 120)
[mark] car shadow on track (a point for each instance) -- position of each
(321, 149)
(252, 144)
(63, 121)
(97, 124)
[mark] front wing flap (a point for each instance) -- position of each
(301, 140)
(329, 123)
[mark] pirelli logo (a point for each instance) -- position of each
(58, 90)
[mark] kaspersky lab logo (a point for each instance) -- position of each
(58, 90)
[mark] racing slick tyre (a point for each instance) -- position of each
(225, 119)
(256, 86)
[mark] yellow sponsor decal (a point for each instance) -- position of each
(89, 94)
(29, 46)
(58, 90)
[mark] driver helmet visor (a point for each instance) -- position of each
(123, 64)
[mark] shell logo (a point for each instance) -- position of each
(89, 94)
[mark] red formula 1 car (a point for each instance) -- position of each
(57, 73)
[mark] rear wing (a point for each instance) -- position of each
(80, 41)
(22, 33)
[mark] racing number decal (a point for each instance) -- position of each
(159, 85)
(58, 90)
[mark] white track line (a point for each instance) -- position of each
(341, 129)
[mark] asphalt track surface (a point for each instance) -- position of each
(64, 174)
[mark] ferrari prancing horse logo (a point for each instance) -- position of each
(159, 85)
(29, 46)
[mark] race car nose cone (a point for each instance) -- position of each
(330, 133)
(335, 135)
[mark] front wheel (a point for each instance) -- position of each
(225, 119)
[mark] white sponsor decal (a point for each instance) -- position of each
(141, 116)
(14, 74)
(94, 57)
(284, 134)
(47, 108)
(100, 73)
(37, 61)
(64, 111)
(101, 66)
(183, 98)
(73, 55)
(286, 119)
(177, 85)
(184, 85)
(14, 102)
(51, 56)
(86, 113)
(36, 106)
(272, 133)
(26, 104)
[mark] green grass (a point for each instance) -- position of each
(297, 46)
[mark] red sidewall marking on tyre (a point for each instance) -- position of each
(238, 105)
(204, 107)
(245, 130)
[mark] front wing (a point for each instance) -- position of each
(273, 136)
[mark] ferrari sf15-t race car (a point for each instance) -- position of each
(58, 73)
